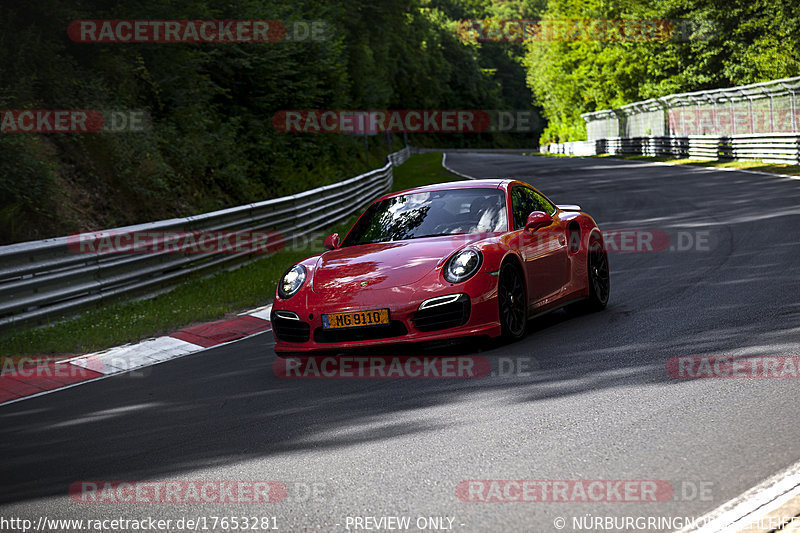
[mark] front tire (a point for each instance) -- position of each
(513, 302)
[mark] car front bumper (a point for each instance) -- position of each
(474, 314)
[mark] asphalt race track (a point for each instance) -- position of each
(597, 403)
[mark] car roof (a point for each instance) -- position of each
(465, 184)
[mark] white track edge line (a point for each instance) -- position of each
(758, 498)
(457, 173)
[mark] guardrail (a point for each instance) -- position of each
(47, 279)
(571, 148)
(768, 147)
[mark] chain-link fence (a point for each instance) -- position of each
(770, 107)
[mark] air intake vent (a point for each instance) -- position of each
(289, 329)
(443, 316)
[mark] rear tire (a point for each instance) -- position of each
(598, 276)
(512, 301)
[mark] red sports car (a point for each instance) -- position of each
(457, 259)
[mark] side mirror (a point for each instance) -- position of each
(538, 219)
(331, 242)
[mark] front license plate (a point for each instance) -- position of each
(356, 319)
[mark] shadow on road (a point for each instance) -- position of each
(226, 405)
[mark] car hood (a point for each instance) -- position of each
(382, 265)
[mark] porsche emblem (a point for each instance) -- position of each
(363, 283)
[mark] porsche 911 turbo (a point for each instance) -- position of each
(440, 262)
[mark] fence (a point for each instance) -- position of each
(46, 279)
(769, 107)
(751, 122)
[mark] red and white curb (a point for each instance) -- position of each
(35, 380)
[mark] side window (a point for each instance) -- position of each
(524, 201)
(544, 204)
(519, 206)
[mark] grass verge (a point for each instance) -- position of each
(197, 300)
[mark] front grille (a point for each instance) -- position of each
(394, 329)
(286, 329)
(443, 316)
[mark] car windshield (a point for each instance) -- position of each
(428, 214)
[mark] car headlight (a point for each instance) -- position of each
(291, 281)
(463, 265)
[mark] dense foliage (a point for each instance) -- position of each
(720, 43)
(212, 143)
